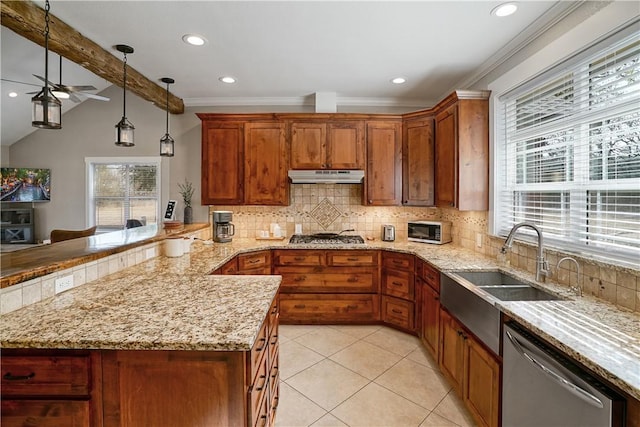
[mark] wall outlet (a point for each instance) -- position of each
(479, 240)
(64, 283)
(149, 253)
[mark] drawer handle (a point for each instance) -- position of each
(352, 279)
(397, 261)
(275, 404)
(10, 377)
(395, 310)
(396, 283)
(264, 342)
(263, 418)
(274, 310)
(274, 375)
(274, 341)
(253, 261)
(300, 279)
(299, 306)
(299, 258)
(353, 259)
(264, 377)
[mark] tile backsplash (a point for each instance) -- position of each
(336, 207)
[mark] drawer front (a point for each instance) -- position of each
(260, 348)
(399, 261)
(45, 376)
(431, 276)
(398, 284)
(295, 257)
(328, 308)
(260, 387)
(352, 258)
(259, 271)
(254, 260)
(230, 267)
(328, 279)
(260, 413)
(398, 312)
(274, 376)
(45, 413)
(274, 312)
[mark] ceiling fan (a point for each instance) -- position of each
(64, 91)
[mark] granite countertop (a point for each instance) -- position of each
(172, 303)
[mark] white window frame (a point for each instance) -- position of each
(90, 161)
(615, 25)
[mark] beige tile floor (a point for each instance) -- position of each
(371, 376)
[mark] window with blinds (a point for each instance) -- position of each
(123, 191)
(568, 154)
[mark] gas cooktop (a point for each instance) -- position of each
(325, 239)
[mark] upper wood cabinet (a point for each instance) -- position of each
(266, 164)
(418, 162)
(383, 175)
(327, 145)
(222, 163)
(462, 152)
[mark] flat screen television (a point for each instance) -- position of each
(25, 185)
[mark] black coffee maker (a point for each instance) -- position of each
(223, 229)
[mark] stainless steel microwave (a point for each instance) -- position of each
(437, 232)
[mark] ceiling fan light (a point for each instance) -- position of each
(47, 110)
(60, 95)
(124, 133)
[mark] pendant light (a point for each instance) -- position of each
(124, 128)
(166, 142)
(47, 109)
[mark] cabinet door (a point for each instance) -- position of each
(345, 145)
(266, 164)
(451, 358)
(46, 413)
(446, 165)
(430, 319)
(482, 388)
(222, 163)
(383, 177)
(418, 163)
(308, 146)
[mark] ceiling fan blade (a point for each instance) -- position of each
(92, 96)
(74, 98)
(80, 88)
(50, 82)
(31, 93)
(22, 83)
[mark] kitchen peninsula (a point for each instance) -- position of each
(172, 307)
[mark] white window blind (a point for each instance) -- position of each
(120, 191)
(568, 154)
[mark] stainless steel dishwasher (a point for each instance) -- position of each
(542, 387)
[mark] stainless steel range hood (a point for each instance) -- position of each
(326, 176)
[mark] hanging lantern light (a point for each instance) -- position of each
(47, 109)
(166, 142)
(124, 128)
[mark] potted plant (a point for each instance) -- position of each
(186, 191)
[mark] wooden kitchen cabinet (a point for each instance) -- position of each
(398, 290)
(335, 286)
(254, 263)
(383, 174)
(266, 164)
(429, 316)
(50, 388)
(327, 145)
(473, 370)
(222, 163)
(418, 162)
(462, 151)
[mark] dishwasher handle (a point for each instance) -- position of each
(562, 381)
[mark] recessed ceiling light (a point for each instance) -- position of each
(13, 94)
(398, 80)
(227, 79)
(505, 9)
(194, 39)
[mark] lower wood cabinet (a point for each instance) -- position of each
(398, 290)
(46, 413)
(397, 312)
(430, 318)
(329, 308)
(473, 371)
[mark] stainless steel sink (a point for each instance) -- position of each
(505, 287)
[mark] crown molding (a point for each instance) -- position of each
(306, 101)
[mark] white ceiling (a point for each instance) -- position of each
(280, 52)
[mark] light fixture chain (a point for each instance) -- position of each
(47, 7)
(124, 97)
(167, 108)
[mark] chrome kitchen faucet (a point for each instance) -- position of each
(542, 268)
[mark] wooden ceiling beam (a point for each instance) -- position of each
(27, 19)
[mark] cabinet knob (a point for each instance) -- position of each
(370, 201)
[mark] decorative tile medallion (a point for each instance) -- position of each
(325, 213)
